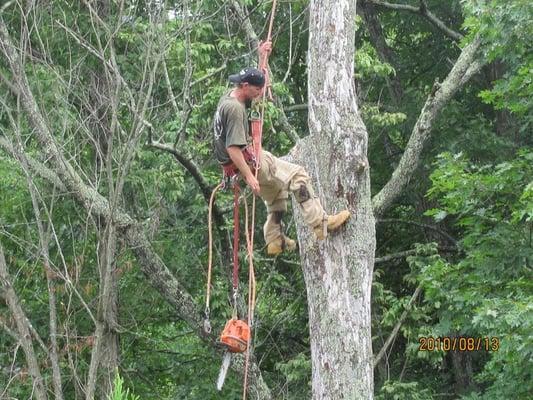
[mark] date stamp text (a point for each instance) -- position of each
(458, 343)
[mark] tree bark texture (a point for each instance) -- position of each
(337, 272)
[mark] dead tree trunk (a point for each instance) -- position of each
(337, 272)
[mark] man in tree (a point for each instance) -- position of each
(275, 178)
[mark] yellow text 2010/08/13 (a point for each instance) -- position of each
(458, 343)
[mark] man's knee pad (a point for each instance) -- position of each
(276, 217)
(302, 194)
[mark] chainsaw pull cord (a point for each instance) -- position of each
(207, 324)
(263, 66)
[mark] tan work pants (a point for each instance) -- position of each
(276, 179)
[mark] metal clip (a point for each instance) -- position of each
(207, 324)
(235, 295)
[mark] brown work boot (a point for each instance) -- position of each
(277, 246)
(334, 222)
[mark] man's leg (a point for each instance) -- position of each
(312, 211)
(275, 196)
(273, 229)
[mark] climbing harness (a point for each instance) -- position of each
(237, 334)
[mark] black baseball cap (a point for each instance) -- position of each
(249, 75)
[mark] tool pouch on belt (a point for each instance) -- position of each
(231, 172)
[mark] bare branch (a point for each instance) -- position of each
(186, 101)
(401, 254)
(193, 169)
(297, 107)
(423, 11)
(44, 254)
(209, 75)
(169, 87)
(37, 167)
(10, 331)
(407, 253)
(6, 5)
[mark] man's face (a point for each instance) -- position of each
(252, 92)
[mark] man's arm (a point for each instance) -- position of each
(235, 153)
(264, 49)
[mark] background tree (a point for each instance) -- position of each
(106, 166)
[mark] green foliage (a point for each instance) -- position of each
(118, 392)
(382, 120)
(488, 292)
(393, 390)
(296, 369)
(367, 63)
(506, 28)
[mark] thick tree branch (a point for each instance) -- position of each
(389, 257)
(465, 66)
(37, 167)
(297, 107)
(424, 12)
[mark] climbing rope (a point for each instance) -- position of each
(251, 287)
(257, 141)
(207, 324)
(257, 131)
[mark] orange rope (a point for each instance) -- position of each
(250, 234)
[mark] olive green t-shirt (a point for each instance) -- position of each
(230, 126)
